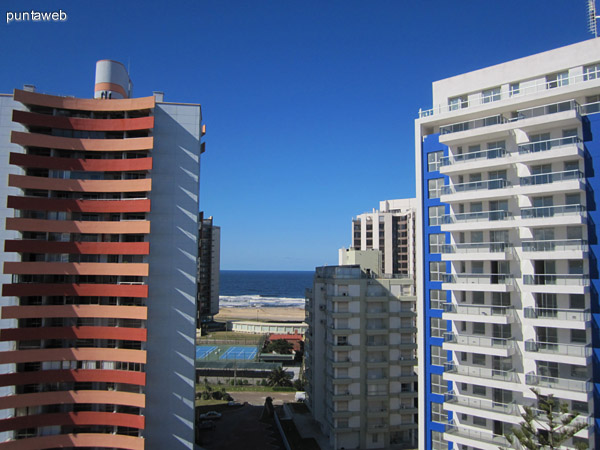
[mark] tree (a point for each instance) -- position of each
(280, 346)
(279, 377)
(547, 426)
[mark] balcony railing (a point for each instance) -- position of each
(477, 247)
(483, 436)
(556, 245)
(483, 216)
(491, 153)
(482, 372)
(553, 211)
(566, 384)
(498, 183)
(545, 110)
(479, 310)
(557, 279)
(481, 403)
(479, 341)
(577, 315)
(479, 278)
(590, 108)
(553, 177)
(555, 348)
(542, 146)
(473, 124)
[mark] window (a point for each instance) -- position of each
(478, 328)
(438, 413)
(436, 242)
(437, 441)
(478, 360)
(438, 356)
(479, 421)
(479, 390)
(578, 336)
(478, 297)
(490, 95)
(434, 160)
(438, 385)
(437, 270)
(476, 266)
(437, 298)
(576, 301)
(436, 215)
(458, 103)
(579, 372)
(557, 79)
(435, 187)
(437, 327)
(514, 89)
(591, 72)
(576, 267)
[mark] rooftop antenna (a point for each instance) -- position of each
(592, 17)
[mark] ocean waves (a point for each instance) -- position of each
(256, 301)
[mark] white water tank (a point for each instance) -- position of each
(112, 80)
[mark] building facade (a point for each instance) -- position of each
(99, 276)
(360, 357)
(391, 230)
(209, 264)
(507, 175)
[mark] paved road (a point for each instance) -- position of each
(258, 398)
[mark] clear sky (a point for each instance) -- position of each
(309, 105)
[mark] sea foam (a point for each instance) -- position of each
(256, 301)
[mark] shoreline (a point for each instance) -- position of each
(268, 314)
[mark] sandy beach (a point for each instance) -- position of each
(282, 314)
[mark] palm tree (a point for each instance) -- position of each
(279, 377)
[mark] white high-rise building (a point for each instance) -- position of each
(508, 170)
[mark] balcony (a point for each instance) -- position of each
(553, 215)
(556, 283)
(564, 245)
(508, 376)
(498, 183)
(496, 282)
(479, 313)
(479, 344)
(473, 124)
(551, 148)
(560, 181)
(479, 439)
(464, 161)
(545, 110)
(564, 388)
(578, 354)
(498, 251)
(578, 319)
(475, 220)
(481, 404)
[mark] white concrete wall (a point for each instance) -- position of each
(170, 368)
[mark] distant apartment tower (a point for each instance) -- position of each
(508, 176)
(99, 276)
(209, 250)
(390, 230)
(360, 356)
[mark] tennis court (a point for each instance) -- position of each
(202, 351)
(239, 352)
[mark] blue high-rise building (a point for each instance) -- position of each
(508, 181)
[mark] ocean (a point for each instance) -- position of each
(261, 288)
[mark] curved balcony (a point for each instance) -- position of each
(84, 124)
(83, 165)
(95, 440)
(81, 418)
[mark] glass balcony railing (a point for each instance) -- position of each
(576, 315)
(479, 310)
(479, 341)
(476, 247)
(553, 177)
(475, 186)
(481, 403)
(566, 384)
(544, 110)
(555, 348)
(542, 146)
(491, 153)
(557, 279)
(590, 108)
(482, 372)
(483, 436)
(483, 216)
(556, 245)
(553, 211)
(479, 278)
(473, 124)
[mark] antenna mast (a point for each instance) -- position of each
(592, 17)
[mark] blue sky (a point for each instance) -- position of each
(309, 105)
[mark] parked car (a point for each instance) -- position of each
(210, 415)
(234, 404)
